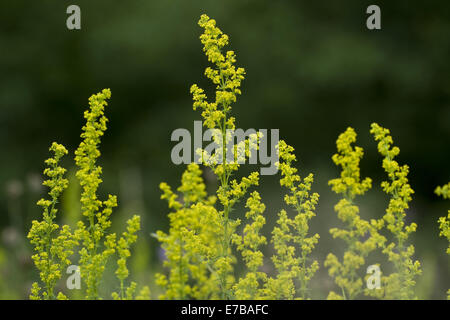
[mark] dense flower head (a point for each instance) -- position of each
(224, 74)
(88, 152)
(348, 158)
(216, 115)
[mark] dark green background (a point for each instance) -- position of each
(313, 69)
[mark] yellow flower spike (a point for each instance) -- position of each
(52, 244)
(360, 236)
(123, 246)
(291, 239)
(400, 284)
(444, 222)
(194, 226)
(97, 245)
(96, 211)
(227, 79)
(248, 286)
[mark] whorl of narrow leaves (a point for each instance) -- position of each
(292, 242)
(360, 236)
(400, 284)
(53, 244)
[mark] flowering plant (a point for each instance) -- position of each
(206, 239)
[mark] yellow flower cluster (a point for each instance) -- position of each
(360, 236)
(444, 222)
(248, 286)
(96, 244)
(292, 242)
(184, 245)
(123, 249)
(227, 78)
(224, 75)
(93, 257)
(53, 244)
(400, 284)
(203, 238)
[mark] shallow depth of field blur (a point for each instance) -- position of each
(313, 69)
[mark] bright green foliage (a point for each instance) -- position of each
(216, 115)
(188, 275)
(290, 237)
(53, 244)
(248, 287)
(360, 236)
(444, 222)
(400, 284)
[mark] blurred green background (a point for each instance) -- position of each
(313, 69)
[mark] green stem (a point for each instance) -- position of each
(122, 293)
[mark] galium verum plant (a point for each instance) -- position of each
(202, 235)
(444, 222)
(206, 239)
(52, 243)
(216, 116)
(189, 276)
(399, 284)
(55, 245)
(292, 242)
(361, 237)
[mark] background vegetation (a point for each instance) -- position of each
(313, 69)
